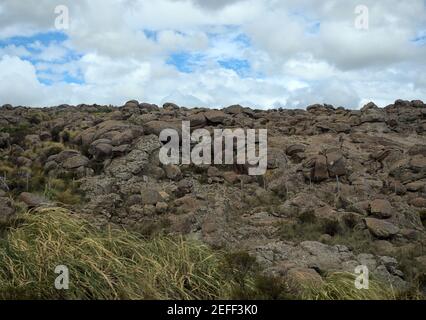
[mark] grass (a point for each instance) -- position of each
(103, 264)
(310, 228)
(112, 263)
(340, 286)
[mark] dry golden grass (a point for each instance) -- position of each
(111, 264)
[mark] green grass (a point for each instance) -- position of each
(340, 286)
(112, 263)
(103, 264)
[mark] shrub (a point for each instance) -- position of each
(67, 197)
(17, 132)
(50, 149)
(330, 227)
(307, 217)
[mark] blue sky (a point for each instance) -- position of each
(261, 53)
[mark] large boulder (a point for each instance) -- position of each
(372, 113)
(101, 149)
(197, 120)
(156, 127)
(381, 229)
(108, 130)
(137, 161)
(75, 162)
(215, 116)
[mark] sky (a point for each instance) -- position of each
(212, 53)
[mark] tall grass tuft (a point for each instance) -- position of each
(103, 264)
(340, 286)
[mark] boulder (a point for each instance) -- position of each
(136, 161)
(381, 208)
(107, 130)
(186, 204)
(341, 127)
(75, 162)
(215, 116)
(418, 163)
(380, 228)
(336, 164)
(64, 155)
(171, 106)
(183, 187)
(101, 149)
(372, 113)
(230, 177)
(132, 103)
(149, 196)
(320, 169)
(234, 109)
(173, 172)
(33, 200)
(295, 149)
(197, 120)
(418, 202)
(156, 127)
(416, 186)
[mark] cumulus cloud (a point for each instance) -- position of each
(261, 53)
(19, 82)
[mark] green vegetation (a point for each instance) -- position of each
(17, 132)
(340, 286)
(103, 264)
(112, 263)
(310, 228)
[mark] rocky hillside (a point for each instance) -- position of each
(343, 187)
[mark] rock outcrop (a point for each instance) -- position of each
(342, 187)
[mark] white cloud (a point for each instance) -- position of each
(13, 50)
(300, 52)
(19, 83)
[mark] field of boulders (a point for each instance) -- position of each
(343, 187)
